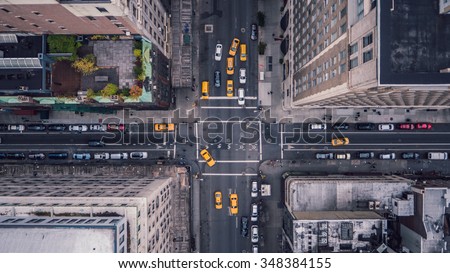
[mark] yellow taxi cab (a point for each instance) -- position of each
(230, 88)
(234, 204)
(243, 52)
(205, 90)
(218, 199)
(340, 141)
(160, 127)
(207, 157)
(230, 66)
(234, 47)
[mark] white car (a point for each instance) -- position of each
(255, 235)
(218, 54)
(99, 156)
(254, 189)
(19, 128)
(242, 77)
(78, 128)
(386, 127)
(317, 126)
(343, 156)
(387, 156)
(138, 155)
(254, 216)
(255, 248)
(97, 127)
(241, 96)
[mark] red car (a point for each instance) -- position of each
(113, 127)
(423, 126)
(406, 126)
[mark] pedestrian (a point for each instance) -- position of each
(271, 92)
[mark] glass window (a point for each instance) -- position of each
(343, 12)
(342, 68)
(367, 40)
(353, 48)
(343, 28)
(101, 9)
(353, 63)
(367, 56)
(342, 55)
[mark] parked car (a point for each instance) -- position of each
(81, 156)
(36, 127)
(119, 156)
(254, 216)
(341, 126)
(138, 155)
(410, 155)
(255, 248)
(97, 127)
(244, 226)
(15, 155)
(3, 127)
(254, 189)
(365, 126)
(115, 127)
(242, 76)
(57, 127)
(406, 126)
(386, 127)
(217, 80)
(218, 200)
(38, 156)
(241, 96)
(423, 126)
(17, 128)
(101, 156)
(342, 156)
(255, 235)
(324, 155)
(340, 141)
(365, 155)
(254, 32)
(387, 156)
(78, 128)
(2, 155)
(437, 155)
(61, 155)
(218, 54)
(317, 126)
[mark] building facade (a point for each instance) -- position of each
(144, 203)
(148, 18)
(341, 53)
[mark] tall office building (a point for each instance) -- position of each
(366, 53)
(86, 214)
(146, 17)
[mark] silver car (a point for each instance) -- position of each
(254, 189)
(255, 236)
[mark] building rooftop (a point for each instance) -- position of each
(414, 43)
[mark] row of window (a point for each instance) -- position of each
(367, 56)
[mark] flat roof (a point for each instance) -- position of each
(414, 43)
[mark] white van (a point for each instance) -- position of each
(119, 156)
(437, 155)
(241, 96)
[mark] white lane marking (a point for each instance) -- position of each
(281, 143)
(227, 121)
(363, 149)
(230, 174)
(197, 142)
(233, 161)
(230, 98)
(368, 144)
(175, 143)
(260, 141)
(228, 107)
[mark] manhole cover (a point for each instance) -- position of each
(209, 28)
(243, 30)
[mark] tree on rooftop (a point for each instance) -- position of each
(85, 65)
(109, 90)
(63, 44)
(135, 91)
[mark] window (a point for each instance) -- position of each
(91, 18)
(34, 25)
(8, 26)
(343, 12)
(36, 13)
(367, 56)
(353, 48)
(50, 21)
(343, 28)
(111, 18)
(333, 21)
(5, 10)
(353, 63)
(333, 7)
(119, 25)
(333, 36)
(62, 27)
(360, 9)
(342, 68)
(21, 18)
(367, 40)
(342, 55)
(101, 9)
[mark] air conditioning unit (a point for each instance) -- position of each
(24, 99)
(114, 97)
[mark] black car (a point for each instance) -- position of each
(254, 35)
(217, 78)
(36, 127)
(61, 155)
(3, 127)
(410, 155)
(57, 127)
(244, 226)
(341, 126)
(365, 155)
(365, 126)
(15, 156)
(2, 156)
